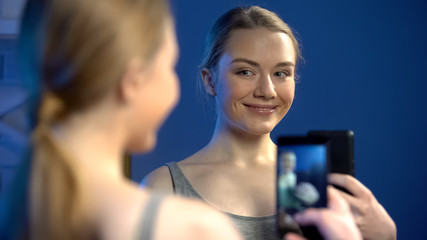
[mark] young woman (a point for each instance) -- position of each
(107, 83)
(249, 69)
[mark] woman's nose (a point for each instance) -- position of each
(265, 88)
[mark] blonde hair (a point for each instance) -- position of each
(242, 18)
(85, 48)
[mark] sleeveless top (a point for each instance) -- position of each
(149, 216)
(250, 228)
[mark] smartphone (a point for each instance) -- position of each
(302, 168)
(341, 149)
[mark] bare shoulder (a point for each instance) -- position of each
(159, 179)
(190, 219)
(117, 209)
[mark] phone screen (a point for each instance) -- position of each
(302, 166)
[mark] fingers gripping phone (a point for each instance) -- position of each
(302, 168)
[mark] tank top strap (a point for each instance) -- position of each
(181, 185)
(150, 216)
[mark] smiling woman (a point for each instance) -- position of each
(255, 80)
(249, 69)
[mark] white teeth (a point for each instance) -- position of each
(264, 109)
(261, 109)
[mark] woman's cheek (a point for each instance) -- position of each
(239, 90)
(286, 91)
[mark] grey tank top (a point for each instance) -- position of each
(149, 216)
(251, 228)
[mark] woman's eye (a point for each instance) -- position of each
(245, 73)
(281, 74)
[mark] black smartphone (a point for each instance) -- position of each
(341, 149)
(302, 168)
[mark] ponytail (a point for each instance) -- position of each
(57, 203)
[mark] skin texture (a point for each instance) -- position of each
(98, 137)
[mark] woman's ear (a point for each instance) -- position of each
(128, 88)
(208, 81)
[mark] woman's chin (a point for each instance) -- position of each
(259, 130)
(262, 128)
(144, 145)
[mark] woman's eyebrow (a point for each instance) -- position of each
(250, 62)
(285, 64)
(255, 64)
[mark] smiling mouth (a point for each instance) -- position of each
(261, 109)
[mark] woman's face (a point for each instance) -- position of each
(255, 80)
(158, 95)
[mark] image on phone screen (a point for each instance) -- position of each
(301, 179)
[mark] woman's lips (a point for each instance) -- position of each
(263, 110)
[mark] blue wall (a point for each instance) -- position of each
(365, 70)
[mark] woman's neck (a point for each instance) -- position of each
(240, 147)
(94, 142)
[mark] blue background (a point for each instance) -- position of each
(365, 70)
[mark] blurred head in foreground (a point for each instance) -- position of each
(111, 60)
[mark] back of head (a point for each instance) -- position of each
(83, 48)
(89, 43)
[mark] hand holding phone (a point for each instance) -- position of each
(334, 222)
